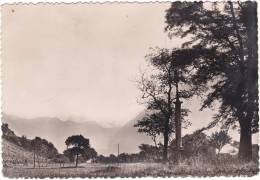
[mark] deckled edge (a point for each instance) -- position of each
(59, 2)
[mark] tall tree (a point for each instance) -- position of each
(77, 145)
(36, 145)
(223, 47)
(159, 86)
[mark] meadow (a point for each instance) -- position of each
(183, 169)
(18, 162)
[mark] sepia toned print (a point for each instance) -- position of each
(130, 89)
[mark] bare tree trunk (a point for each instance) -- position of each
(154, 140)
(38, 160)
(34, 159)
(166, 141)
(245, 146)
(218, 151)
(77, 156)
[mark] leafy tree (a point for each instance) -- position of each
(112, 158)
(69, 154)
(150, 152)
(25, 143)
(51, 150)
(151, 125)
(124, 158)
(220, 139)
(223, 48)
(168, 70)
(8, 134)
(61, 159)
(76, 145)
(100, 158)
(6, 131)
(192, 142)
(41, 148)
(89, 153)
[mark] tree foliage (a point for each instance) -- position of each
(61, 159)
(89, 153)
(169, 71)
(223, 50)
(150, 152)
(220, 139)
(192, 143)
(153, 124)
(76, 145)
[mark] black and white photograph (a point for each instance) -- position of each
(129, 89)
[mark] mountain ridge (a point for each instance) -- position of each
(103, 139)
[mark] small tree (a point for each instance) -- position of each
(220, 139)
(150, 152)
(151, 125)
(36, 145)
(192, 143)
(77, 144)
(61, 159)
(25, 143)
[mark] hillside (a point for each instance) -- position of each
(20, 150)
(13, 154)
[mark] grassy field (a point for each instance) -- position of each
(14, 157)
(134, 170)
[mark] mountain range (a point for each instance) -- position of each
(104, 139)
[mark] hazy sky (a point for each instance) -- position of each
(81, 60)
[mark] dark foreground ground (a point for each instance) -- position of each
(135, 170)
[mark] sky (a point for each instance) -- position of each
(82, 60)
(79, 62)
